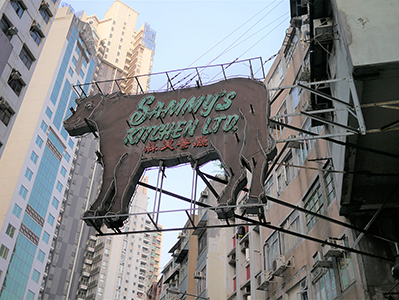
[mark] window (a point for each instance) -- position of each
(50, 219)
(8, 29)
(49, 113)
(271, 250)
(46, 237)
(18, 6)
(200, 284)
(306, 145)
(295, 97)
(284, 173)
(116, 60)
(40, 256)
(23, 191)
(74, 60)
(15, 81)
(282, 112)
(28, 174)
(289, 241)
(44, 126)
(110, 36)
(34, 157)
(36, 33)
(3, 251)
(63, 171)
(6, 112)
(10, 230)
(345, 268)
(39, 141)
(26, 56)
(325, 286)
(313, 201)
(30, 295)
(82, 74)
(45, 11)
(16, 211)
(59, 186)
(67, 156)
(329, 185)
(35, 276)
(70, 71)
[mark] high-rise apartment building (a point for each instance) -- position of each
(127, 52)
(24, 25)
(124, 266)
(37, 158)
(70, 271)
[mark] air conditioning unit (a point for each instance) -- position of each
(278, 265)
(264, 280)
(323, 29)
(204, 193)
(198, 275)
(316, 274)
(36, 25)
(305, 75)
(247, 291)
(293, 144)
(247, 254)
(176, 253)
(15, 74)
(181, 235)
(12, 30)
(320, 261)
(330, 251)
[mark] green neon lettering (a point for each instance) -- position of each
(173, 107)
(166, 131)
(147, 132)
(205, 128)
(227, 101)
(140, 114)
(217, 124)
(193, 105)
(155, 131)
(176, 133)
(190, 128)
(208, 104)
(131, 133)
(230, 123)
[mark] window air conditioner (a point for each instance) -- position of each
(15, 74)
(204, 194)
(330, 251)
(181, 235)
(12, 30)
(264, 280)
(247, 291)
(323, 29)
(278, 265)
(198, 275)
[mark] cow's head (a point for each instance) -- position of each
(78, 122)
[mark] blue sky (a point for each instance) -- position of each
(199, 33)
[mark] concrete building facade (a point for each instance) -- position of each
(86, 173)
(124, 266)
(336, 69)
(24, 29)
(37, 159)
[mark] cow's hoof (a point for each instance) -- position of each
(88, 217)
(224, 212)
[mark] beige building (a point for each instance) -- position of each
(336, 158)
(24, 27)
(37, 159)
(124, 266)
(127, 52)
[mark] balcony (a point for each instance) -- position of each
(92, 284)
(85, 274)
(99, 246)
(88, 261)
(83, 287)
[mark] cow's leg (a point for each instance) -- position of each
(106, 191)
(237, 180)
(125, 184)
(258, 165)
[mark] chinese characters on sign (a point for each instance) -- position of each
(182, 143)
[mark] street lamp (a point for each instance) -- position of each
(176, 291)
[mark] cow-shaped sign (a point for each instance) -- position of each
(226, 121)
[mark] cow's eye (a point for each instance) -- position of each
(89, 105)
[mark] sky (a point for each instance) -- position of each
(195, 34)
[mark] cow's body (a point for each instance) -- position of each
(226, 121)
